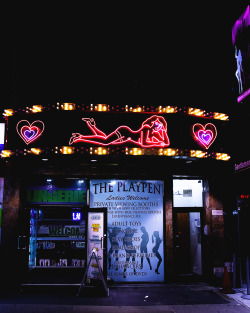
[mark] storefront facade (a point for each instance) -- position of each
(156, 174)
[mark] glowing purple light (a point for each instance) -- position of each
(243, 21)
(205, 136)
(244, 95)
(29, 134)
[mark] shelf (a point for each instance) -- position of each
(61, 238)
(65, 267)
(56, 220)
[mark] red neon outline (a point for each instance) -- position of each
(31, 127)
(152, 133)
(208, 128)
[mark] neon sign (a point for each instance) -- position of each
(2, 136)
(204, 135)
(242, 165)
(29, 132)
(244, 196)
(240, 41)
(76, 216)
(244, 95)
(152, 133)
(239, 70)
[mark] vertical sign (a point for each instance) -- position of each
(1, 204)
(2, 132)
(241, 44)
(135, 227)
(95, 237)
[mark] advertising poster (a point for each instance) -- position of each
(1, 204)
(135, 227)
(2, 136)
(95, 235)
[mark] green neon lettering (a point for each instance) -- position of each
(76, 196)
(42, 196)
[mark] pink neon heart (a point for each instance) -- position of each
(29, 132)
(204, 135)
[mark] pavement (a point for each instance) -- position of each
(131, 298)
(239, 296)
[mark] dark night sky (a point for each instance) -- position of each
(174, 55)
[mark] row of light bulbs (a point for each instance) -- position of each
(128, 151)
(106, 108)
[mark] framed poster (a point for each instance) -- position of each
(135, 242)
(95, 242)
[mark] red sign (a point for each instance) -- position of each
(244, 196)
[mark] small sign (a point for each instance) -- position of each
(187, 192)
(2, 136)
(76, 216)
(52, 195)
(217, 212)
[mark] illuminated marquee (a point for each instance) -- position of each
(29, 132)
(152, 133)
(115, 133)
(204, 135)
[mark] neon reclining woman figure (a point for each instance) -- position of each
(152, 133)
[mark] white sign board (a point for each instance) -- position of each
(217, 212)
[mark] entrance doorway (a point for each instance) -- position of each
(187, 240)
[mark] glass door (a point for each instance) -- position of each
(97, 243)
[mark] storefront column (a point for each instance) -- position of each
(214, 251)
(11, 205)
(169, 250)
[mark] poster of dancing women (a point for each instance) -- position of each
(135, 227)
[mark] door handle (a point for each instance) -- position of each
(102, 241)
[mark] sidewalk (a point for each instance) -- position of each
(169, 298)
(237, 296)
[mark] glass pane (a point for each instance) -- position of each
(195, 242)
(188, 243)
(95, 241)
(187, 193)
(57, 237)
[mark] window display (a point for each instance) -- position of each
(57, 237)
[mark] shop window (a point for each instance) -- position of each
(187, 193)
(57, 237)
